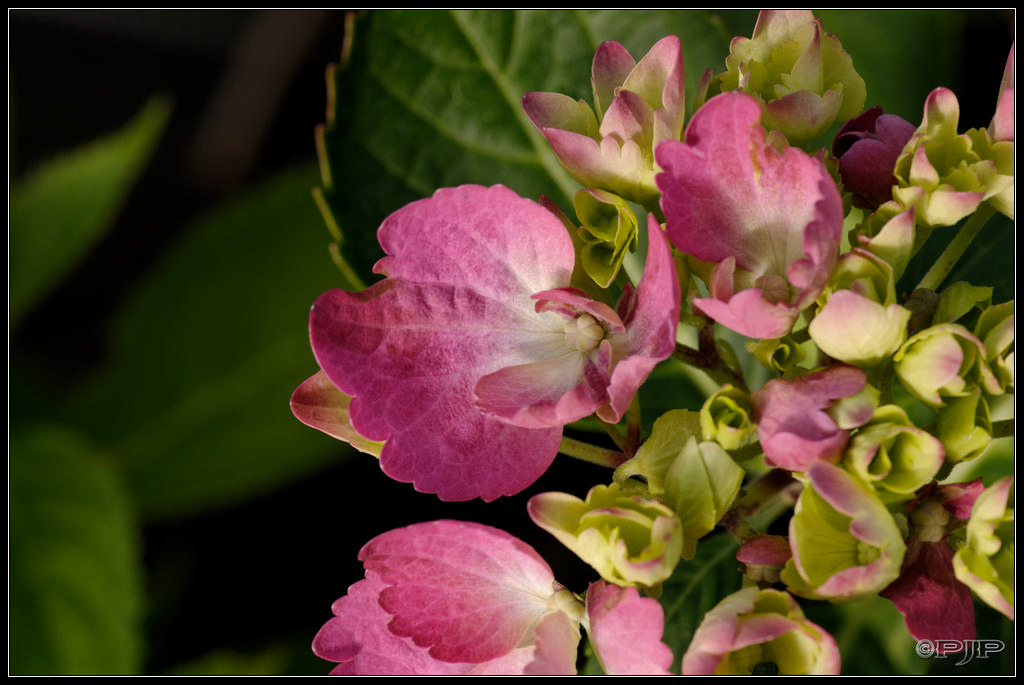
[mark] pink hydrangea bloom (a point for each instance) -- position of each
(770, 219)
(460, 598)
(807, 419)
(471, 355)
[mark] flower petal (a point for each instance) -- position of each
(727, 192)
(468, 592)
(626, 631)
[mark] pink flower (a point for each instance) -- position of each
(770, 218)
(808, 419)
(636, 106)
(459, 598)
(471, 355)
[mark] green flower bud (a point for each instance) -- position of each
(609, 230)
(860, 322)
(628, 539)
(760, 632)
(801, 76)
(889, 233)
(943, 361)
(964, 426)
(777, 354)
(995, 329)
(893, 454)
(725, 418)
(986, 562)
(697, 480)
(854, 329)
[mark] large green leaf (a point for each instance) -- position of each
(75, 592)
(194, 404)
(59, 210)
(433, 98)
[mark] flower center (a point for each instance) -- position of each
(930, 518)
(583, 333)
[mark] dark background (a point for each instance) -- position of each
(248, 90)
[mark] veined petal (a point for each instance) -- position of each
(358, 640)
(457, 305)
(466, 591)
(626, 631)
(650, 315)
(727, 192)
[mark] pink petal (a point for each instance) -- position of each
(628, 118)
(651, 318)
(554, 392)
(612, 64)
(792, 417)
(411, 348)
(492, 240)
(411, 355)
(556, 642)
(468, 592)
(358, 639)
(728, 192)
(626, 631)
(1003, 122)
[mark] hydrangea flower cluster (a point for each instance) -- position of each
(500, 322)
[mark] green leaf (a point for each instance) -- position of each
(695, 588)
(60, 210)
(75, 590)
(431, 98)
(206, 353)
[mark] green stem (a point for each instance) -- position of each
(591, 453)
(707, 359)
(1002, 428)
(956, 248)
(765, 499)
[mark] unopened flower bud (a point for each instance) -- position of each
(986, 562)
(801, 76)
(867, 147)
(628, 539)
(698, 480)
